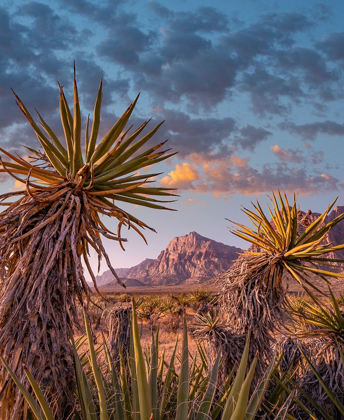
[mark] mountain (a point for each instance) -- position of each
(190, 258)
(335, 235)
(193, 258)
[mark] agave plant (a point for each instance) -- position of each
(284, 244)
(48, 230)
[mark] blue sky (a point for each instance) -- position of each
(252, 94)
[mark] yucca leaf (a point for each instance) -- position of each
(36, 409)
(142, 383)
(183, 385)
(167, 382)
(115, 383)
(241, 405)
(39, 395)
(85, 397)
(77, 161)
(96, 373)
(153, 377)
(66, 127)
(312, 402)
(259, 393)
(204, 410)
(52, 135)
(127, 154)
(282, 413)
(144, 203)
(87, 137)
(126, 143)
(331, 394)
(313, 226)
(128, 409)
(316, 270)
(226, 390)
(237, 384)
(113, 134)
(95, 124)
(51, 151)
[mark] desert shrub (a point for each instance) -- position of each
(172, 323)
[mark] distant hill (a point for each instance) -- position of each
(190, 258)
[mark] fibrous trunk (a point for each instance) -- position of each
(40, 247)
(251, 299)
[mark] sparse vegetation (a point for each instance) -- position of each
(150, 386)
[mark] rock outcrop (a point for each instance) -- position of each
(190, 258)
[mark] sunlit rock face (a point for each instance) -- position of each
(190, 258)
(193, 258)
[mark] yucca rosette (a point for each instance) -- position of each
(285, 245)
(87, 184)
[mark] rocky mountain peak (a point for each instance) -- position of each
(188, 258)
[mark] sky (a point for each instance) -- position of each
(251, 93)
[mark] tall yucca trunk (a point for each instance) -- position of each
(37, 309)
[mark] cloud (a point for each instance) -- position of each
(288, 22)
(204, 19)
(289, 155)
(251, 136)
(311, 130)
(309, 62)
(190, 202)
(224, 177)
(196, 135)
(181, 177)
(268, 91)
(332, 45)
(48, 30)
(124, 45)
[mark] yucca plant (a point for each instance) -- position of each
(153, 388)
(284, 244)
(48, 230)
(322, 326)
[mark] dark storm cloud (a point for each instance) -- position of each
(31, 63)
(312, 130)
(287, 22)
(125, 42)
(48, 30)
(202, 79)
(268, 91)
(196, 135)
(312, 65)
(199, 58)
(101, 12)
(332, 45)
(262, 38)
(193, 60)
(205, 19)
(250, 137)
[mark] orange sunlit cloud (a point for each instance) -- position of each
(182, 177)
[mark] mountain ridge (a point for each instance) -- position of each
(191, 258)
